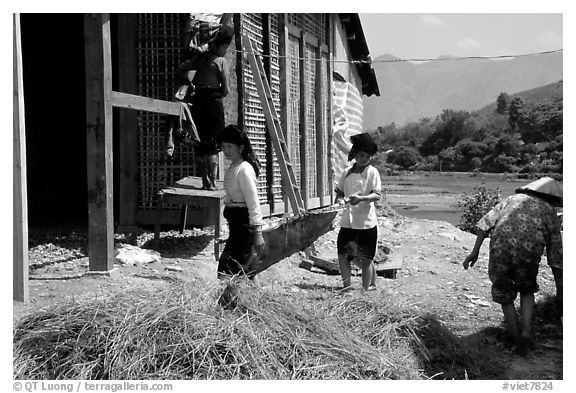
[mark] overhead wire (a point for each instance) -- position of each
(411, 60)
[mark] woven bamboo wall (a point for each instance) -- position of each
(275, 85)
(254, 120)
(159, 45)
(325, 113)
(316, 25)
(293, 74)
(313, 24)
(159, 40)
(311, 121)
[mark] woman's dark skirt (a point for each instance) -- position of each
(208, 114)
(238, 253)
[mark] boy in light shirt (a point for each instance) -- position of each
(360, 187)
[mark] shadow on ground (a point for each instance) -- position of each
(314, 286)
(52, 245)
(180, 246)
(488, 353)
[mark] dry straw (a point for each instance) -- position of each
(184, 333)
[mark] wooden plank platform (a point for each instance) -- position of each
(188, 192)
(328, 262)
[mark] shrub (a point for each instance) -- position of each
(476, 204)
(475, 163)
(405, 157)
(502, 163)
(529, 168)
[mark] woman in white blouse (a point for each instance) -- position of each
(360, 188)
(241, 205)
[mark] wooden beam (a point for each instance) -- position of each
(128, 125)
(131, 101)
(99, 141)
(329, 266)
(303, 120)
(19, 189)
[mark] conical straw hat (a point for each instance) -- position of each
(545, 185)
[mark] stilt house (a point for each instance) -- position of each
(92, 93)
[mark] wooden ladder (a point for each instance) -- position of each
(289, 183)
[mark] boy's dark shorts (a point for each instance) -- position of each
(357, 243)
(509, 275)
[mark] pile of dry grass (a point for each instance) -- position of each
(184, 333)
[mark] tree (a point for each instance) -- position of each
(508, 146)
(502, 103)
(451, 157)
(405, 157)
(515, 111)
(541, 122)
(470, 149)
(451, 126)
(415, 133)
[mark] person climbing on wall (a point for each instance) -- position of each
(520, 227)
(208, 75)
(360, 187)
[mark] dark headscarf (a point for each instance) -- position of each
(236, 135)
(362, 142)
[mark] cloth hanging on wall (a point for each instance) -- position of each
(347, 114)
(200, 31)
(202, 28)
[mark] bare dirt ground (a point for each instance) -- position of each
(431, 280)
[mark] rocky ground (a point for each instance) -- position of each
(431, 278)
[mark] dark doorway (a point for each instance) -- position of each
(55, 115)
(54, 99)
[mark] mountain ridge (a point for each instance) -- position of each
(411, 91)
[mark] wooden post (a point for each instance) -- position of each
(128, 124)
(99, 141)
(303, 120)
(320, 126)
(19, 189)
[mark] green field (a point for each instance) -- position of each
(435, 196)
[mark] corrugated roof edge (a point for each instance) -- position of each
(359, 51)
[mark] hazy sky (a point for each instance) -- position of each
(431, 35)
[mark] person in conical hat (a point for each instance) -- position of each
(546, 188)
(520, 228)
(361, 188)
